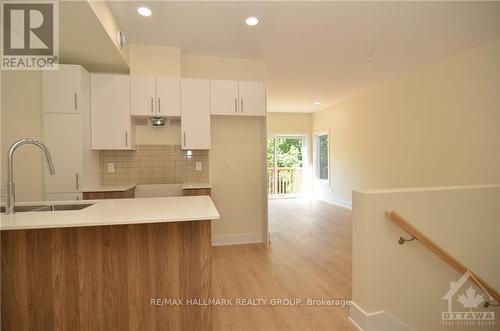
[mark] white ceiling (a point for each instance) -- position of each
(317, 51)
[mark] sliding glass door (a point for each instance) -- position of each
(285, 165)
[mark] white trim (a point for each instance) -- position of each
(284, 196)
(237, 239)
(355, 324)
(429, 188)
(265, 202)
(334, 201)
(315, 146)
(376, 321)
(288, 133)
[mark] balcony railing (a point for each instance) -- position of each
(282, 181)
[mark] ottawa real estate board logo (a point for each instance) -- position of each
(30, 35)
(467, 304)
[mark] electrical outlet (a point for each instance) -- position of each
(198, 166)
(111, 167)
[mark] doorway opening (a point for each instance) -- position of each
(285, 165)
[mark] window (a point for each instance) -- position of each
(322, 148)
(285, 162)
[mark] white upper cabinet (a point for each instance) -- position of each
(168, 96)
(142, 95)
(110, 106)
(61, 89)
(224, 97)
(252, 98)
(195, 112)
(155, 96)
(238, 98)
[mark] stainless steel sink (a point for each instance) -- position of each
(52, 207)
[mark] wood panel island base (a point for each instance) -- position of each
(106, 277)
(110, 266)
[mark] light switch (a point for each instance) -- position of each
(198, 166)
(228, 166)
(111, 167)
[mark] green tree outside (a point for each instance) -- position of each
(289, 152)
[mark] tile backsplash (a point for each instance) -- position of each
(153, 164)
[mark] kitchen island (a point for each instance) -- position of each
(105, 266)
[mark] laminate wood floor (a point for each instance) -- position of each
(310, 257)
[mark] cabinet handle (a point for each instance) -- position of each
(235, 105)
(77, 181)
(159, 105)
(241, 109)
(151, 105)
(76, 101)
(126, 139)
(184, 139)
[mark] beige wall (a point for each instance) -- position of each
(155, 60)
(440, 126)
(209, 67)
(289, 123)
(21, 118)
(236, 169)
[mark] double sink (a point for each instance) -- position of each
(49, 207)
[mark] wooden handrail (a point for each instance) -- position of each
(441, 253)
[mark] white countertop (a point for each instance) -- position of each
(196, 186)
(119, 188)
(114, 212)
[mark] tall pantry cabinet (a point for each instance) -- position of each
(66, 132)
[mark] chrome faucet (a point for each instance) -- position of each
(11, 188)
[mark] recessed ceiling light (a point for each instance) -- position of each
(144, 11)
(317, 103)
(252, 20)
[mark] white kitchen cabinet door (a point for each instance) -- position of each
(63, 137)
(252, 98)
(195, 114)
(224, 97)
(61, 89)
(110, 112)
(142, 95)
(168, 96)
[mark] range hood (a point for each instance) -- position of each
(158, 120)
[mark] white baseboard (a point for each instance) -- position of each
(334, 201)
(355, 324)
(376, 321)
(237, 239)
